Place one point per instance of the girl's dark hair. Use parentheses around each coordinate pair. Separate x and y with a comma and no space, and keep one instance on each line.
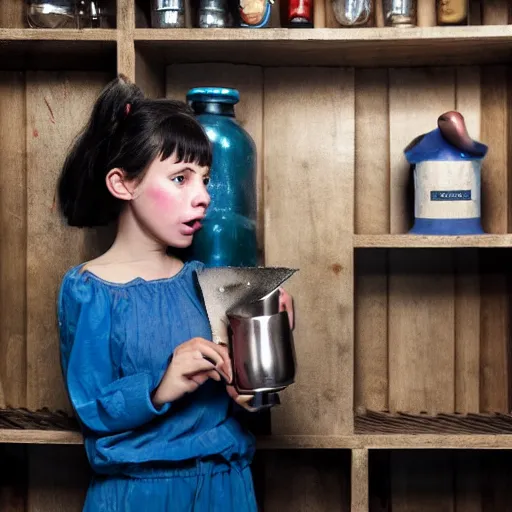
(127,131)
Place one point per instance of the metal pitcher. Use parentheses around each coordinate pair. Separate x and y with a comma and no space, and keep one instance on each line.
(242,304)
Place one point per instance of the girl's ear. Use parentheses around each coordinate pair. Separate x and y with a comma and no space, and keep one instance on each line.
(119,186)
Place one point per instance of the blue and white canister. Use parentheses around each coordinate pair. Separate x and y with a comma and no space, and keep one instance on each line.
(447,186)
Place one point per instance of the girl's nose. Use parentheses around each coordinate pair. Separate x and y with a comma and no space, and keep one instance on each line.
(201,198)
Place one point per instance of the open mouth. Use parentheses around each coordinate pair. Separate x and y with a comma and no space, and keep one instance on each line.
(193,224)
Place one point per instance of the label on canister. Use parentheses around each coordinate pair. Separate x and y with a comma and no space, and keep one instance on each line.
(447,190)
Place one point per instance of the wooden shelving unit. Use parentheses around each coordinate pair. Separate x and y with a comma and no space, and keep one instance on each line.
(387,322)
(419,241)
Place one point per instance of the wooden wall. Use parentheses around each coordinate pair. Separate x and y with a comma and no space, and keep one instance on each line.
(430,309)
(427,333)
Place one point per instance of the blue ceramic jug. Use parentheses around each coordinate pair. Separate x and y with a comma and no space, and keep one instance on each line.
(228,235)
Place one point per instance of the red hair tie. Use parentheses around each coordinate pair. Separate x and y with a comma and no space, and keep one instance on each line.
(127,108)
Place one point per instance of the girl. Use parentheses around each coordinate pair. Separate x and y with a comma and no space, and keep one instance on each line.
(149,387)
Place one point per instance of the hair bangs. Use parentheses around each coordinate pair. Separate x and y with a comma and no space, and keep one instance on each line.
(184,136)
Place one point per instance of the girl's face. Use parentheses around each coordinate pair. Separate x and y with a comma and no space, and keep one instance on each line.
(171,201)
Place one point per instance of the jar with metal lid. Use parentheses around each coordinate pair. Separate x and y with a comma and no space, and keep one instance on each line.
(353,13)
(228,233)
(168,14)
(51,13)
(400,13)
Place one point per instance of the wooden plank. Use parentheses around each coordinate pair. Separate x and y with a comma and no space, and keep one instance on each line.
(494,133)
(475,12)
(426,16)
(467,331)
(371,216)
(495,12)
(371,213)
(417,97)
(58,104)
(318,241)
(319,13)
(418,241)
(420,288)
(371,331)
(248,80)
(421,482)
(494,333)
(12,14)
(58,479)
(21,436)
(359,47)
(467,279)
(495,330)
(13,237)
(149,76)
(314,482)
(360,494)
(388,442)
(307,442)
(421,332)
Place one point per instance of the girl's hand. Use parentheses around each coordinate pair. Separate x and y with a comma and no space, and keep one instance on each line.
(192,364)
(242,400)
(286,304)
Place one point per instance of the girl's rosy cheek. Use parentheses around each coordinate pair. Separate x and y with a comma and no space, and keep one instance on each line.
(161,199)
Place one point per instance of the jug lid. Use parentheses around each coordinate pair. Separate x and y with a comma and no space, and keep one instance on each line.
(214,94)
(433,146)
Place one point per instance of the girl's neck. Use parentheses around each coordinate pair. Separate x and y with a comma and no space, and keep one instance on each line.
(135,245)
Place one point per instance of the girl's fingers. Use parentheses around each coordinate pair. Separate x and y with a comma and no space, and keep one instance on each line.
(286,304)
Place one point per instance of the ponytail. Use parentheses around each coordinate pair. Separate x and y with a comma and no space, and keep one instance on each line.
(125,131)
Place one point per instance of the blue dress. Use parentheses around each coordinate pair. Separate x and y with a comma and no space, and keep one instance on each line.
(116,342)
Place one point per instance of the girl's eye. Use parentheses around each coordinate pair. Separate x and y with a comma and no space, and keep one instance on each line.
(179,179)
(206,180)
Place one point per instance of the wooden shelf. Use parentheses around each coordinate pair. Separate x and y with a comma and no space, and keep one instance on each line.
(375,47)
(45,49)
(418,241)
(375,442)
(40,436)
(391,441)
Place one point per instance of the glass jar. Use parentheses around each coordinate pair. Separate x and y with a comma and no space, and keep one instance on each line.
(168,14)
(213,14)
(51,13)
(400,13)
(352,13)
(96,13)
(296,13)
(228,235)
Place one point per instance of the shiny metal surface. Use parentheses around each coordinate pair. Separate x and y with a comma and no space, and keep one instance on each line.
(213,14)
(235,289)
(167,14)
(50,13)
(263,353)
(400,13)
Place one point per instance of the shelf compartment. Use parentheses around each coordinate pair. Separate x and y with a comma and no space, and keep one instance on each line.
(63,49)
(420,241)
(429,481)
(366,47)
(395,106)
(322,476)
(432,331)
(46,478)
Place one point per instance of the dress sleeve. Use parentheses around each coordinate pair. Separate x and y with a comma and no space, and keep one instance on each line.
(103,402)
